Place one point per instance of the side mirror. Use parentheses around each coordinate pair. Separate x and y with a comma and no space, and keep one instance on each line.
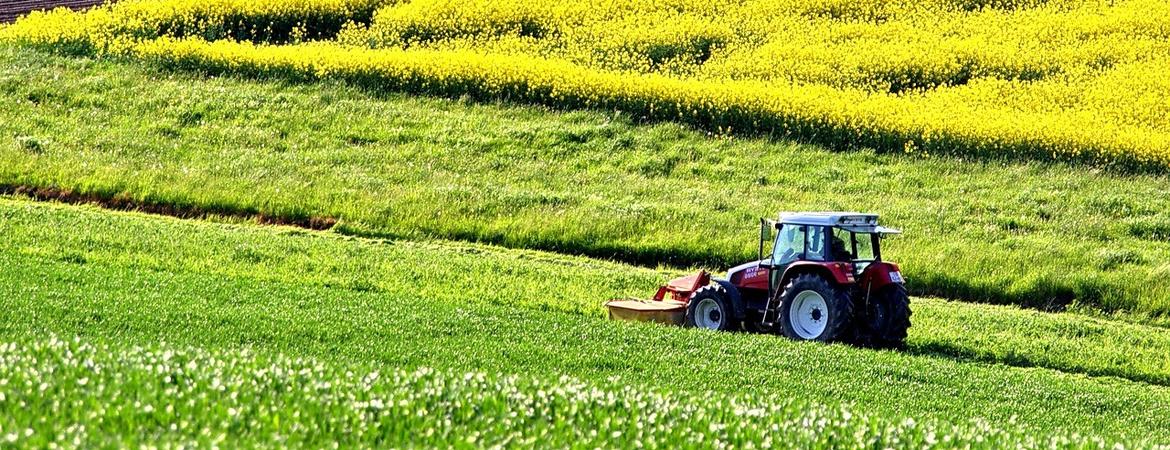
(764,234)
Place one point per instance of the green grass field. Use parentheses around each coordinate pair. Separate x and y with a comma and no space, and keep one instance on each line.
(444,280)
(187,397)
(546,282)
(583,182)
(122,279)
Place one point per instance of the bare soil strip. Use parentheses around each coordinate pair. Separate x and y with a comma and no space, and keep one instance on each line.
(10,10)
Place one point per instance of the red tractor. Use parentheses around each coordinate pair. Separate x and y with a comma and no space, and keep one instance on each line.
(824,281)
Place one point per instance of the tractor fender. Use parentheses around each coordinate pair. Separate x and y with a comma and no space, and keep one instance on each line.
(733,295)
(880,274)
(835,271)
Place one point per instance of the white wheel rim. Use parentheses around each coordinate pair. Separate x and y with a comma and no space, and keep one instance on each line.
(809,314)
(708,314)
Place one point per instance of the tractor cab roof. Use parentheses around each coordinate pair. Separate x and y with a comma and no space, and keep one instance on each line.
(851,221)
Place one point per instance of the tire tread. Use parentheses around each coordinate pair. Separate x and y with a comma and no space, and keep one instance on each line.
(894,334)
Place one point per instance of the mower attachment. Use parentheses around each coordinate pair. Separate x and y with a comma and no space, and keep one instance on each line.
(669,305)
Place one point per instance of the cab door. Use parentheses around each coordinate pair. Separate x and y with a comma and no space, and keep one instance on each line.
(796,243)
(791,244)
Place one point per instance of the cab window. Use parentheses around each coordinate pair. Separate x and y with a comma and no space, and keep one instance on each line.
(864,246)
(815,246)
(789,244)
(849,246)
(843,245)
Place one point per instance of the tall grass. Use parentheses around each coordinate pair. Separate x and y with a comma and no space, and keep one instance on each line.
(161,395)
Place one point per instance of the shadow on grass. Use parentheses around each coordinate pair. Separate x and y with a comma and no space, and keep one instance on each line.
(1044,295)
(1047,295)
(952,352)
(123,202)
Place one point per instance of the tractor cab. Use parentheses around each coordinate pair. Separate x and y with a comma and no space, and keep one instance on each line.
(840,242)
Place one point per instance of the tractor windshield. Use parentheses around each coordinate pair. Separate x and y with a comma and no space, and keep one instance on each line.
(789,245)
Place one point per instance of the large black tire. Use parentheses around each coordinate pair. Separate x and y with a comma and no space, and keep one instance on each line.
(710,308)
(828,318)
(886,318)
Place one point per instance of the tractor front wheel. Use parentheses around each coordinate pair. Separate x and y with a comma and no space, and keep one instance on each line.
(709,308)
(814,309)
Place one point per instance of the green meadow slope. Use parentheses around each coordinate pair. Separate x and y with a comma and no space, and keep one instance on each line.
(590,183)
(123,279)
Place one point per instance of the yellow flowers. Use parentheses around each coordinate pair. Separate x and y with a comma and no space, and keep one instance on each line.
(1068,79)
(109,27)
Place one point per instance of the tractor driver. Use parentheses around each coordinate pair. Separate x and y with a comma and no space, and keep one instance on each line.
(839,247)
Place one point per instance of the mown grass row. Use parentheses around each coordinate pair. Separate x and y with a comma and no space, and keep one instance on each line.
(163,395)
(128,279)
(587,183)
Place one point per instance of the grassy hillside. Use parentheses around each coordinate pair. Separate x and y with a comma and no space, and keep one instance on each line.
(562,154)
(127,279)
(575,182)
(547,282)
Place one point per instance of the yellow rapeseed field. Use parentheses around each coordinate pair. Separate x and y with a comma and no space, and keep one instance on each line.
(1058,79)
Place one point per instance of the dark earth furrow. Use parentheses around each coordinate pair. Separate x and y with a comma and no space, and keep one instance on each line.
(10,10)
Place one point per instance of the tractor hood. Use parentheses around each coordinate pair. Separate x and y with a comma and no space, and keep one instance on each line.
(750,275)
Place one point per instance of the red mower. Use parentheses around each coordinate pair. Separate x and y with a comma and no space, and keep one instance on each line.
(824,281)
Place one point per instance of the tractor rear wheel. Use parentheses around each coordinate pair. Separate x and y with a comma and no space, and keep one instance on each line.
(815,309)
(710,308)
(886,319)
